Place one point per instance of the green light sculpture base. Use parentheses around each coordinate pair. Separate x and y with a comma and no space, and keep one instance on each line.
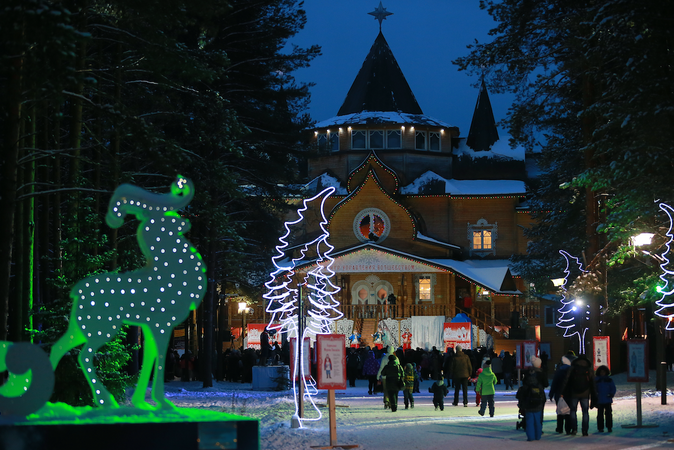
(58,426)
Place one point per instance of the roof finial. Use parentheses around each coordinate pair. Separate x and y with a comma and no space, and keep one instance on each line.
(380,14)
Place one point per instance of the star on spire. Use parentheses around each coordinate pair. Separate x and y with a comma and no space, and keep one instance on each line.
(380,14)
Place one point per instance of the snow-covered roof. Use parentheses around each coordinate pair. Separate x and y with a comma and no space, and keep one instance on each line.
(380,118)
(467,187)
(323,181)
(435,241)
(500,149)
(490,272)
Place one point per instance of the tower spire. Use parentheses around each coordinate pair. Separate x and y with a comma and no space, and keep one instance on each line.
(380,14)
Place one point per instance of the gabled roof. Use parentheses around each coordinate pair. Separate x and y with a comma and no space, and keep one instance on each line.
(483,133)
(380,85)
(493,275)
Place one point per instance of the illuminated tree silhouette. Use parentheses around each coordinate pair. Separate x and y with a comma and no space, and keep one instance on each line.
(283,297)
(665,303)
(571,319)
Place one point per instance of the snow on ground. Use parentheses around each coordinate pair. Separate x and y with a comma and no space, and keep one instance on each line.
(362,420)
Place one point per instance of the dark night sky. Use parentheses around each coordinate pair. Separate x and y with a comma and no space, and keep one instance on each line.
(424,35)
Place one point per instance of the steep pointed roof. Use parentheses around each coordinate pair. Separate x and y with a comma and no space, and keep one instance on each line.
(483,132)
(380,85)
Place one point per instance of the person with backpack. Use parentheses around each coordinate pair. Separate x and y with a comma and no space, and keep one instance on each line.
(352,362)
(410,376)
(394,376)
(531,398)
(439,391)
(370,370)
(485,387)
(605,392)
(579,389)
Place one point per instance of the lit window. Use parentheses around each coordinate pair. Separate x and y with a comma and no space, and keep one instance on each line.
(376,139)
(482,236)
(420,140)
(424,288)
(434,141)
(358,140)
(393,139)
(482,240)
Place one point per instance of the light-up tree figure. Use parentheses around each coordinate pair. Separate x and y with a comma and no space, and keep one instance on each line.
(568,313)
(284,299)
(665,303)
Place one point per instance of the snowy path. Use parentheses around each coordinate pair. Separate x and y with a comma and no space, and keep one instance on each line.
(365,422)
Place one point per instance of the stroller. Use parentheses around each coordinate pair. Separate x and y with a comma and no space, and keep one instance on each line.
(521,423)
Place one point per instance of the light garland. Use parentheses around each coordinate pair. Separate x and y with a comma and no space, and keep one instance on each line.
(568,312)
(665,303)
(283,299)
(372,157)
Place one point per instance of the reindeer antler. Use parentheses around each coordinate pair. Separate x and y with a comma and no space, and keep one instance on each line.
(128,198)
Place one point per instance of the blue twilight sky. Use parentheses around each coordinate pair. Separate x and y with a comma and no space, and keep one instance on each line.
(424,35)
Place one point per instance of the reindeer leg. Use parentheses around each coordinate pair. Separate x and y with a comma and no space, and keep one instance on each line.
(149,358)
(71,339)
(101,395)
(162,341)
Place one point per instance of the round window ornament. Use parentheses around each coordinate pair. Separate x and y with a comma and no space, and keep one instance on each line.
(371,225)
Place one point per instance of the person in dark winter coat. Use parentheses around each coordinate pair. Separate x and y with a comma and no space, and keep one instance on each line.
(408,387)
(508,367)
(605,392)
(394,376)
(461,371)
(563,420)
(531,398)
(370,369)
(579,389)
(439,391)
(352,362)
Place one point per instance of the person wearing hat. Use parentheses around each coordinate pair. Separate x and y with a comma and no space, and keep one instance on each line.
(605,392)
(461,369)
(542,379)
(485,386)
(563,420)
(395,378)
(579,389)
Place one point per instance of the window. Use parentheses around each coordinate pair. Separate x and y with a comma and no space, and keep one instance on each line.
(371,225)
(549,316)
(358,139)
(322,140)
(393,139)
(424,288)
(334,142)
(420,140)
(482,240)
(482,236)
(376,139)
(434,141)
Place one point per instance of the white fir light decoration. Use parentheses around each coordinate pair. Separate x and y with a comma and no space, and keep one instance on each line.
(568,312)
(283,297)
(666,306)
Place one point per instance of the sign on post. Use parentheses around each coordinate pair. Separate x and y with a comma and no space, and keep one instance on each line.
(331,361)
(529,349)
(637,360)
(601,352)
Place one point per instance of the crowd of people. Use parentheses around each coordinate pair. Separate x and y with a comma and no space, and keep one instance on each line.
(388,371)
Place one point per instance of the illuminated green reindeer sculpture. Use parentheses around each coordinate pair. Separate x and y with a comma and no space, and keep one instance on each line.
(156,298)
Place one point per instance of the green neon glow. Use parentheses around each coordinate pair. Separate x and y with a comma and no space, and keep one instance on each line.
(17,384)
(63,414)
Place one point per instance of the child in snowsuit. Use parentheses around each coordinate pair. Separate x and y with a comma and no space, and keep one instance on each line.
(605,392)
(485,387)
(408,387)
(439,391)
(478,397)
(531,398)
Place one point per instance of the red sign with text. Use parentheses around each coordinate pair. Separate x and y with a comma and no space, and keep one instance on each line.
(457,333)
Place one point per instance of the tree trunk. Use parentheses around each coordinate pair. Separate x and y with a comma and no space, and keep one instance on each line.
(8,169)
